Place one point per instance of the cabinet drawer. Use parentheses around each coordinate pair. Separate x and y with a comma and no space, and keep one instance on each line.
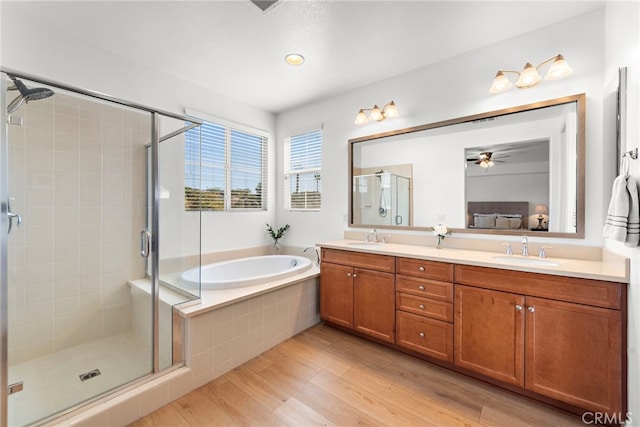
(425,269)
(571,289)
(427,336)
(441,291)
(439,310)
(359,259)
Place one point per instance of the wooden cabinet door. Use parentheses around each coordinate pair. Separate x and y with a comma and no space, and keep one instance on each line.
(374,304)
(574,354)
(336,294)
(489,333)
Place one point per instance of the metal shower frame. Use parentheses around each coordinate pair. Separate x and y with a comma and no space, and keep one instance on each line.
(155,203)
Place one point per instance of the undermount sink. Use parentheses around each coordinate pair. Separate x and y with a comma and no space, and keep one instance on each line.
(526,261)
(366,245)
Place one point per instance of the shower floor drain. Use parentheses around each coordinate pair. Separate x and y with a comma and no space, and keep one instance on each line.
(90,374)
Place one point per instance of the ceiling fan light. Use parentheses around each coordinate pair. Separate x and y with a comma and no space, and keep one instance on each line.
(361,118)
(529,77)
(558,69)
(376,114)
(500,84)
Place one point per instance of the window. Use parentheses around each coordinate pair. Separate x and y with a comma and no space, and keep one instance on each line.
(303,171)
(225,168)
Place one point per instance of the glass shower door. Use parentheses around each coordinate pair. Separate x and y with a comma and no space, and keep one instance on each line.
(75,175)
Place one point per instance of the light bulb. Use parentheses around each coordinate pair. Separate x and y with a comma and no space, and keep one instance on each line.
(361,118)
(529,77)
(376,114)
(391,110)
(558,69)
(500,83)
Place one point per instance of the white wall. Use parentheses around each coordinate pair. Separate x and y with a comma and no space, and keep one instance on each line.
(622,48)
(454,88)
(54,56)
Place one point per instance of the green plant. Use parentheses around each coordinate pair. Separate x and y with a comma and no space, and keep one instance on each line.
(276,235)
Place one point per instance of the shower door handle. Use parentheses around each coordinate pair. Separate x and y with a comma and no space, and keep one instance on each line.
(145,243)
(11,217)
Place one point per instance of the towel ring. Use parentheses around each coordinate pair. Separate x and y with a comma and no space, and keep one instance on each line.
(631,153)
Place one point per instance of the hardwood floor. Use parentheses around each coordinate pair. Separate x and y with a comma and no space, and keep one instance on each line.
(324,377)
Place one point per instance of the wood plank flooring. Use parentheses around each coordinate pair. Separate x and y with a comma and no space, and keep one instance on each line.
(324,377)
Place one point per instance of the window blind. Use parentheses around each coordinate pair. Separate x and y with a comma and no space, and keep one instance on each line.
(303,171)
(225,168)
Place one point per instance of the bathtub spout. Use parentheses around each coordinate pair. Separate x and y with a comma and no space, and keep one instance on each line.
(317,254)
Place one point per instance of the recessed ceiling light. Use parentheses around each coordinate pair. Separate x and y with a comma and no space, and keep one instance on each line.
(294,59)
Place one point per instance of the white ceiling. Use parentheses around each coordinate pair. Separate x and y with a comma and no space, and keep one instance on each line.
(235,49)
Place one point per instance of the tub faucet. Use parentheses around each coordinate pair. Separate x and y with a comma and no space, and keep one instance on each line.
(317,254)
(525,246)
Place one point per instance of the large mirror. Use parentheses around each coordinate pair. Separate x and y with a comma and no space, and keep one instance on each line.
(502,172)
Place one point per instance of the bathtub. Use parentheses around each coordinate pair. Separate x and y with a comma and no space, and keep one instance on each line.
(245,271)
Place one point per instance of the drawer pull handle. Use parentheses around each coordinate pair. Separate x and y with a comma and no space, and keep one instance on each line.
(421,306)
(518,307)
(421,268)
(421,334)
(421,287)
(531,309)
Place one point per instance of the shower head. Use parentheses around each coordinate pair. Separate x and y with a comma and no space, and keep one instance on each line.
(26,94)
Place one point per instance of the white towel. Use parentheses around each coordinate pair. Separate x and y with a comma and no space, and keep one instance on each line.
(623,216)
(633,220)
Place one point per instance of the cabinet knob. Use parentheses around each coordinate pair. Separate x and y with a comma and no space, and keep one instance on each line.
(518,307)
(355,275)
(348,274)
(421,306)
(531,309)
(421,334)
(421,287)
(421,268)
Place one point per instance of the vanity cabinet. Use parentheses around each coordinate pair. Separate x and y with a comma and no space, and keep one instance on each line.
(357,291)
(424,307)
(558,337)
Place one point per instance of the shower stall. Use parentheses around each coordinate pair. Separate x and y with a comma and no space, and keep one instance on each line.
(382,198)
(83,309)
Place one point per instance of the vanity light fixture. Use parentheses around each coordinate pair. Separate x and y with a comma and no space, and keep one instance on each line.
(294,59)
(529,76)
(377,114)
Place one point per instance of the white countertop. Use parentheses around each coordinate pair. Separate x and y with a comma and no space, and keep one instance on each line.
(613,268)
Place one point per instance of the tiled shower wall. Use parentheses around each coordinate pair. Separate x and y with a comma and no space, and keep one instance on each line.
(77,178)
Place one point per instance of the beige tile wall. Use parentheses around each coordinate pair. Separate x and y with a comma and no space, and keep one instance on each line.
(77,177)
(220,340)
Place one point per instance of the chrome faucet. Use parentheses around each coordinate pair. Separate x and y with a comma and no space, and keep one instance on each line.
(525,246)
(317,254)
(372,236)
